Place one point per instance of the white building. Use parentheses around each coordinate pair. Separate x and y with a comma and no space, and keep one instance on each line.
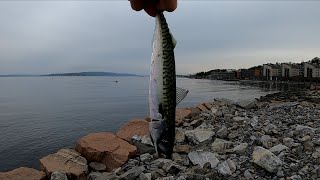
(311,70)
(272,71)
(289,70)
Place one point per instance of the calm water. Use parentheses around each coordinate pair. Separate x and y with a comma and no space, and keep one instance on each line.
(40,115)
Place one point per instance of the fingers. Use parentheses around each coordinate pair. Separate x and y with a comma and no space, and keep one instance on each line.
(167,5)
(152,8)
(137,5)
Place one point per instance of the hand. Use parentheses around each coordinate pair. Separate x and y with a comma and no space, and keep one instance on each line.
(153,6)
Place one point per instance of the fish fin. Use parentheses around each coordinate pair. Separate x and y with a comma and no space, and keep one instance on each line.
(181,94)
(174,41)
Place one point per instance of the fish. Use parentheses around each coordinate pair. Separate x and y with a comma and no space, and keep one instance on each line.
(164,96)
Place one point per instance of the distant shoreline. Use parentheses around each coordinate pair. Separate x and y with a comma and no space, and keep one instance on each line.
(77,74)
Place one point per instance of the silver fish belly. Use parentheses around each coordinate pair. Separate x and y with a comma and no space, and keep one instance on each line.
(162,89)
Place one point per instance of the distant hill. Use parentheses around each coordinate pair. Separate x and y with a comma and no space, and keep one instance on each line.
(93,74)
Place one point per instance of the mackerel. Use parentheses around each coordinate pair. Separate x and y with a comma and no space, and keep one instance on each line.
(163,94)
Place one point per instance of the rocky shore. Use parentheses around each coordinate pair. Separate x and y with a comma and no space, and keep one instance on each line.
(274,137)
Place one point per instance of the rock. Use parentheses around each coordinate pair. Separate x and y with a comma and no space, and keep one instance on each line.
(225,101)
(307,128)
(146,140)
(181,149)
(238,119)
(254,121)
(66,160)
(201,107)
(143,148)
(266,159)
(21,174)
(59,175)
(196,123)
(220,145)
(214,110)
(277,149)
(270,129)
(199,135)
(132,173)
(96,166)
(241,148)
(223,132)
(223,168)
(181,115)
(248,175)
(295,177)
(267,141)
(138,127)
(247,104)
(145,176)
(180,137)
(146,157)
(282,105)
(203,157)
(290,142)
(177,158)
(102,176)
(171,167)
(232,165)
(106,148)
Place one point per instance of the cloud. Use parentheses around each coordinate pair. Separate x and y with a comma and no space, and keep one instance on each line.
(62,36)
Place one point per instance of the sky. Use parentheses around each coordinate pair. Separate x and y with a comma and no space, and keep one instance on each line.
(42,37)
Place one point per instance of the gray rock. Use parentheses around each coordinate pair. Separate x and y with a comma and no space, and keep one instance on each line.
(295,177)
(177,158)
(241,148)
(282,105)
(267,141)
(203,157)
(266,159)
(146,157)
(145,176)
(232,165)
(225,101)
(224,169)
(247,104)
(199,135)
(132,173)
(59,175)
(254,121)
(166,178)
(248,175)
(101,176)
(172,168)
(301,128)
(238,119)
(144,148)
(270,129)
(96,166)
(223,132)
(277,149)
(146,140)
(220,145)
(290,142)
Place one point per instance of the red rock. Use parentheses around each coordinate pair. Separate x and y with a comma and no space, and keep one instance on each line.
(201,107)
(181,114)
(134,127)
(208,105)
(66,160)
(106,148)
(23,173)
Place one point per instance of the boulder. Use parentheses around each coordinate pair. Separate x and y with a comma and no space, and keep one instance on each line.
(183,148)
(21,174)
(199,135)
(266,159)
(106,148)
(202,107)
(247,104)
(138,127)
(224,169)
(181,114)
(65,160)
(96,166)
(202,158)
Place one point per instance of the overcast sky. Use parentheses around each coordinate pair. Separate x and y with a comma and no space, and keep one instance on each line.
(71,36)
